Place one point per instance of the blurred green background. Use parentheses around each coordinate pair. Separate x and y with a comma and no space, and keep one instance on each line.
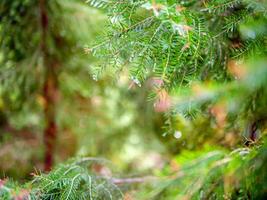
(48,84)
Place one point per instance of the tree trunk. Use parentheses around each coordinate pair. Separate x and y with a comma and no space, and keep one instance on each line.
(50,90)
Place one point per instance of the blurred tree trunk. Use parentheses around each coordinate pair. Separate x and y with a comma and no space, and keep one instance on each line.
(50,90)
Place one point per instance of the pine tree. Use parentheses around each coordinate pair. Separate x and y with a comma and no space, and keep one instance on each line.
(211,57)
(181,43)
(178,41)
(67,181)
(38,41)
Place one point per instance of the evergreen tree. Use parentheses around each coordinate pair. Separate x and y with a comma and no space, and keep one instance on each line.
(177,41)
(210,57)
(182,43)
(38,41)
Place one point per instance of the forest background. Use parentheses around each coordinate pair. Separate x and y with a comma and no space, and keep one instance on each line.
(133,99)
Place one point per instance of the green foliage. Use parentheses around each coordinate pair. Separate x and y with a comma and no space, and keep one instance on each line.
(216,174)
(73,181)
(22,69)
(68,181)
(210,56)
(207,54)
(217,50)
(242,101)
(177,42)
(18,47)
(97,111)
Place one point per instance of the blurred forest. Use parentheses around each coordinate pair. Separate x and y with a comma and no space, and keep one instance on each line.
(133,99)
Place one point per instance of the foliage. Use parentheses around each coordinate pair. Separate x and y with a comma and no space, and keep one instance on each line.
(210,55)
(204,61)
(178,41)
(68,181)
(21,60)
(216,174)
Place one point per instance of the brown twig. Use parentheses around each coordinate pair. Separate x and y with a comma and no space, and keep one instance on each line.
(120,181)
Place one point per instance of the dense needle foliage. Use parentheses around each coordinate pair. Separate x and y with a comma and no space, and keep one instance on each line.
(72,180)
(180,41)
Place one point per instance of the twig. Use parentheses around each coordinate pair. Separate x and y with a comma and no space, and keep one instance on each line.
(91,159)
(119,181)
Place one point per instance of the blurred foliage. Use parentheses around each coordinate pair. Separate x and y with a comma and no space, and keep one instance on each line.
(214,173)
(173,89)
(97,111)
